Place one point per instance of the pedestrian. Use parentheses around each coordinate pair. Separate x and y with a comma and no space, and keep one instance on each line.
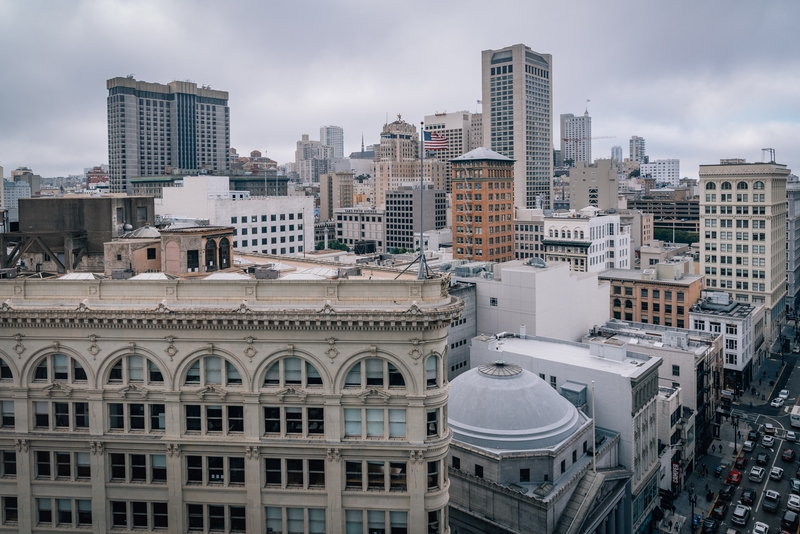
(759,381)
(713,448)
(706,486)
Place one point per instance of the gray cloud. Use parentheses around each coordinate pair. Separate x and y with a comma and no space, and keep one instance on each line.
(699,80)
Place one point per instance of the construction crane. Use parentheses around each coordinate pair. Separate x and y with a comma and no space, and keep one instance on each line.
(576,139)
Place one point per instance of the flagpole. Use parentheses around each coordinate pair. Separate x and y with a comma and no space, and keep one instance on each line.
(421,275)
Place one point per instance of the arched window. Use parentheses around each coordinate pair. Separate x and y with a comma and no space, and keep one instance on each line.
(432,372)
(5,371)
(758,185)
(209,370)
(617,302)
(59,368)
(137,369)
(581,234)
(374,372)
(741,185)
(211,255)
(569,234)
(711,185)
(628,304)
(224,253)
(292,372)
(726,185)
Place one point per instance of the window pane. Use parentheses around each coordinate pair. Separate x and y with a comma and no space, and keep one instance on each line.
(213,370)
(216,469)
(395,377)
(353,378)
(116,413)
(353,520)
(155,373)
(135,368)
(312,375)
(294,420)
(119,513)
(295,520)
(273,378)
(236,470)
(214,418)
(397,476)
(139,513)
(136,416)
(398,521)
(64,511)
(374,422)
(274,519)
(60,367)
(273,471)
(316,420)
(352,421)
(193,374)
(41,371)
(238,523)
(115,375)
(376,521)
(292,367)
(430,371)
(272,420)
(61,412)
(78,374)
(374,372)
(193,421)
(316,473)
(84,512)
(294,472)
(316,521)
(157,417)
(235,418)
(397,423)
(353,475)
(232,375)
(375,478)
(160,515)
(81,414)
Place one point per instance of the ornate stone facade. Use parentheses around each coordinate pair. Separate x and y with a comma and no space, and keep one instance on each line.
(244,405)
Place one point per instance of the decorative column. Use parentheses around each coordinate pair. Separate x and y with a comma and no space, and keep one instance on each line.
(335,486)
(24,475)
(99,503)
(175,486)
(253,483)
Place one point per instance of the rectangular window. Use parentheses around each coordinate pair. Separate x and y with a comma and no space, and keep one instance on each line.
(397,423)
(10,510)
(398,476)
(375,476)
(524,475)
(273,472)
(374,422)
(353,475)
(433,422)
(9,464)
(676,370)
(433,475)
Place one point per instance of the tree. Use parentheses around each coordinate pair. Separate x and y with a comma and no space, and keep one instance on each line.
(332,245)
(681,236)
(569,162)
(634,173)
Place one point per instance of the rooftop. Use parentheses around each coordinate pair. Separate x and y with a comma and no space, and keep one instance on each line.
(482,154)
(637,276)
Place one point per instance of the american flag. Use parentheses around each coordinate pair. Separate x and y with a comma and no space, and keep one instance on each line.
(434,141)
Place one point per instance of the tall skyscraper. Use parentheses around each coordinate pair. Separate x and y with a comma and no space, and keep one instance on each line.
(518,118)
(754,268)
(333,136)
(637,149)
(576,138)
(616,153)
(176,125)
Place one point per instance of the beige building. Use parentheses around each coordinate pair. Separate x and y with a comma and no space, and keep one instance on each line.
(461,133)
(593,185)
(361,225)
(512,78)
(397,162)
(335,191)
(225,404)
(743,234)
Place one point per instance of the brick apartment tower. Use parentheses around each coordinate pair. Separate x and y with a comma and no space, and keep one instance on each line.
(483,206)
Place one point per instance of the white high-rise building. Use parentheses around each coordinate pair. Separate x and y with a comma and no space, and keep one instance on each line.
(743,234)
(333,136)
(616,153)
(637,149)
(518,118)
(576,138)
(460,133)
(665,171)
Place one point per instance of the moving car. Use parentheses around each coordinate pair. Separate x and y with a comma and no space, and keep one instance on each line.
(789,521)
(753,435)
(772,501)
(740,515)
(769,429)
(760,528)
(787,455)
(762,459)
(776,473)
(784,394)
(710,525)
(735,477)
(791,435)
(748,496)
(721,509)
(793,503)
(727,492)
(777,402)
(767,441)
(741,463)
(748,446)
(756,474)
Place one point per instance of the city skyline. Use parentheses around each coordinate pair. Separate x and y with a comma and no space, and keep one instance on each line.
(695,95)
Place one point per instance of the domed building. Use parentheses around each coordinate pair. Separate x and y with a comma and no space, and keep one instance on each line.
(522,459)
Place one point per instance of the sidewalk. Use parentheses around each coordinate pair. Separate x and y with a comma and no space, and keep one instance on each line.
(770,371)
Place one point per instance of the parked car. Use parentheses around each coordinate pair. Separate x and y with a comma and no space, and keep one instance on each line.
(735,477)
(772,501)
(793,503)
(727,492)
(794,485)
(776,473)
(767,441)
(762,459)
(753,435)
(777,402)
(748,496)
(756,474)
(760,528)
(789,521)
(784,394)
(748,446)
(791,436)
(741,463)
(720,510)
(740,514)
(769,429)
(787,455)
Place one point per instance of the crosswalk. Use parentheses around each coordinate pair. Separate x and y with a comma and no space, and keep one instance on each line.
(744,416)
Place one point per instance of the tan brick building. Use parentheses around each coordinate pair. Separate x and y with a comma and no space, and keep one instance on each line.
(483,206)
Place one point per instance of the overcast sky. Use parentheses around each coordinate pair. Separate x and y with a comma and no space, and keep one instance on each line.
(699,80)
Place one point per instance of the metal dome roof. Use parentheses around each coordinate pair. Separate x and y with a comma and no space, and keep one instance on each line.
(501,406)
(146,231)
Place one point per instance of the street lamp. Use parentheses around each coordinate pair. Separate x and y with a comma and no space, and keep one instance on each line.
(735,423)
(693,501)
